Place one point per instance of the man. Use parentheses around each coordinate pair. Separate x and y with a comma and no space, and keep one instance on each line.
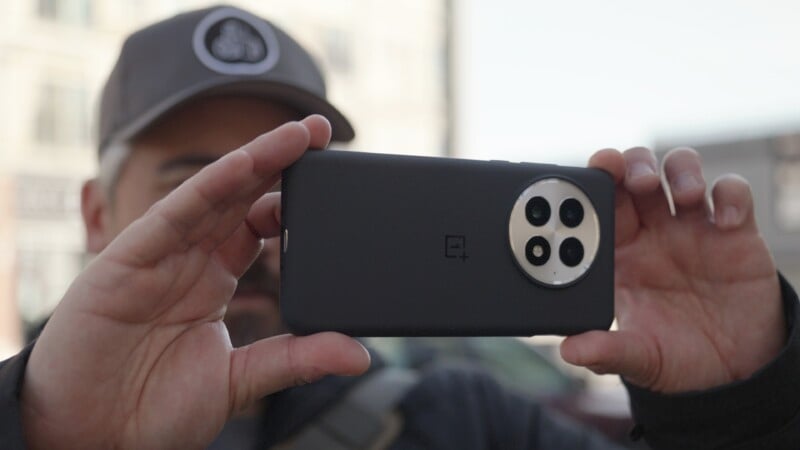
(136,355)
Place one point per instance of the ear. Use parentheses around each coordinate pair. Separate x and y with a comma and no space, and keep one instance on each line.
(95,208)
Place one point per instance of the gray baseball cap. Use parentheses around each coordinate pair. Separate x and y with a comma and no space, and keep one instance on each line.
(218,50)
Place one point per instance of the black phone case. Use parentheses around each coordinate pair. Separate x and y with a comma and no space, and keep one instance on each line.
(367,249)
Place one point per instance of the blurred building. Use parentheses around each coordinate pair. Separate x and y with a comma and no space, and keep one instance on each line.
(772,166)
(386,66)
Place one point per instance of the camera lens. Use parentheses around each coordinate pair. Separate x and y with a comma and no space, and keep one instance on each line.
(537,250)
(571,252)
(571,212)
(538,211)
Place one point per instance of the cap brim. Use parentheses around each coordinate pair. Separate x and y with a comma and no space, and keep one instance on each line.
(304,102)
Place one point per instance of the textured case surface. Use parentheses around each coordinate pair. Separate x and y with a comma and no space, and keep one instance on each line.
(386,245)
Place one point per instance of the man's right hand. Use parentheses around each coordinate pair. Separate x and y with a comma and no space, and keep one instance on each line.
(136,354)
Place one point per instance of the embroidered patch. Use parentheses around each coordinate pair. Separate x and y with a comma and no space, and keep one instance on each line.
(234,42)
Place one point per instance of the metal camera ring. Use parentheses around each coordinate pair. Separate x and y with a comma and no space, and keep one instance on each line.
(554,272)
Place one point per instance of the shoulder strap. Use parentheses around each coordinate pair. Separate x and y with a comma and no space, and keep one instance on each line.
(364,419)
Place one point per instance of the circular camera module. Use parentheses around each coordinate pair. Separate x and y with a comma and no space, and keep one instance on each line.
(571,212)
(537,250)
(571,252)
(537,210)
(554,232)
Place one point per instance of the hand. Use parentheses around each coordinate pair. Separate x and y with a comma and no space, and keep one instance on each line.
(136,355)
(697,298)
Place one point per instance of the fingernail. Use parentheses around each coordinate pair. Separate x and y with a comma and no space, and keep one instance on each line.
(685,182)
(730,216)
(640,169)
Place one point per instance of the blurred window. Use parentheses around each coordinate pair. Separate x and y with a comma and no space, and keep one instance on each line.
(62,115)
(72,12)
(338,50)
(43,275)
(47,197)
(787,184)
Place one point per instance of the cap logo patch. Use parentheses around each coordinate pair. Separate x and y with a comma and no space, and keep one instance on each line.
(234,42)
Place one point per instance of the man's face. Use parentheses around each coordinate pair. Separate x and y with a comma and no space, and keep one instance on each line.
(176,148)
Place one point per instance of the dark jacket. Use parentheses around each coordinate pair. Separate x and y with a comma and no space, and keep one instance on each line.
(464,409)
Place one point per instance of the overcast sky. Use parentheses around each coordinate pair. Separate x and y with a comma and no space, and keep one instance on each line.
(554,80)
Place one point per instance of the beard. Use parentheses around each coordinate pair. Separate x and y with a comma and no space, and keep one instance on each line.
(253,313)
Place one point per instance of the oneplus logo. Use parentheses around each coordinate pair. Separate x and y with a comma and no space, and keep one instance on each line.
(455,246)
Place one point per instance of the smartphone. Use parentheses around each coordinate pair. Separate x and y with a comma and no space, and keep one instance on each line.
(390,245)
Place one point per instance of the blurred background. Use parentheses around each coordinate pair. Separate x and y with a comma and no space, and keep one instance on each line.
(501,79)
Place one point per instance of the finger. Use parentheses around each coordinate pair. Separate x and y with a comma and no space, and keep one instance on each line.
(683,171)
(263,221)
(252,170)
(276,363)
(643,182)
(611,161)
(240,250)
(614,352)
(319,129)
(212,204)
(733,203)
(641,175)
(265,215)
(626,220)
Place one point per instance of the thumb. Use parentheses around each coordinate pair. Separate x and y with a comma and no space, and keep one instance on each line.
(269,365)
(617,352)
